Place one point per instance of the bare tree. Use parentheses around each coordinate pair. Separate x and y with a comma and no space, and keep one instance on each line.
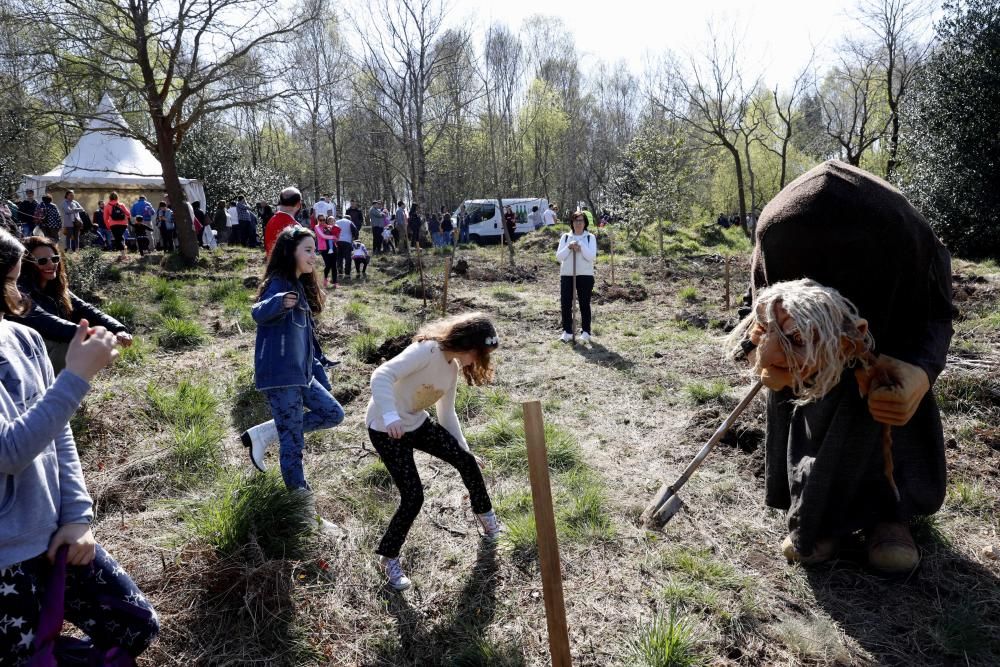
(503,66)
(713,99)
(853,103)
(176,61)
(899,27)
(781,129)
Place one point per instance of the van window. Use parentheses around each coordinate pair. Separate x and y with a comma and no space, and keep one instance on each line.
(480,212)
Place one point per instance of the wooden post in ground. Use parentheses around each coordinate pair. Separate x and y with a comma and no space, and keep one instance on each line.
(420,265)
(444,297)
(545,525)
(659,228)
(611,237)
(727,282)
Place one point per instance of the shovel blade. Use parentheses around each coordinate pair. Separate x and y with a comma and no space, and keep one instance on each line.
(666,511)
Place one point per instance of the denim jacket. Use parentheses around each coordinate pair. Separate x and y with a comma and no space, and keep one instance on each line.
(286,353)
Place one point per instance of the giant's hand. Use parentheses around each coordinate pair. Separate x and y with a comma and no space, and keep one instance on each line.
(895,402)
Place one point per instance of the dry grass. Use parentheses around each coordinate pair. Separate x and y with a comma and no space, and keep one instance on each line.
(623,417)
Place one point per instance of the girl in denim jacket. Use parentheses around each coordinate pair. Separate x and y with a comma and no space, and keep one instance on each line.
(288,365)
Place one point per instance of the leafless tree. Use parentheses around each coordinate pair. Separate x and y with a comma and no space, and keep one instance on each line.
(176,62)
(899,28)
(853,102)
(780,124)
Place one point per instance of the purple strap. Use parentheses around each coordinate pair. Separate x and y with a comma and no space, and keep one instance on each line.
(51,618)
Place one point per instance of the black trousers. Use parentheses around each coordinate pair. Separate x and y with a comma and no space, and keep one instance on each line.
(330,264)
(376,240)
(397,455)
(584,288)
(344,249)
(361,265)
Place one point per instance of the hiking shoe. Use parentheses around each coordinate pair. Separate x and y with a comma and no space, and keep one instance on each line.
(394,571)
(328,528)
(257,439)
(566,337)
(584,337)
(491,526)
(891,549)
(824,551)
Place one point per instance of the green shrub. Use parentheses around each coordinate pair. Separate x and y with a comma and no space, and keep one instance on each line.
(255,509)
(502,443)
(179,333)
(190,405)
(132,356)
(161,288)
(173,305)
(195,453)
(376,475)
(688,294)
(364,346)
(125,312)
(89,270)
(249,406)
(221,290)
(699,392)
(355,311)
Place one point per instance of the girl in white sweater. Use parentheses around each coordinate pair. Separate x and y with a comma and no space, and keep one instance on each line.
(422,375)
(577,251)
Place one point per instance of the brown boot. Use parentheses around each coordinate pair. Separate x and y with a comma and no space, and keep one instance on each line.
(891,548)
(824,551)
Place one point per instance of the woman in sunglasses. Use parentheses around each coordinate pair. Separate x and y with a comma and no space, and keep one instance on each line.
(56,311)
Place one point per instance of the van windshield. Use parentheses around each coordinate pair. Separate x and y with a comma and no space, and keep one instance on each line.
(480,212)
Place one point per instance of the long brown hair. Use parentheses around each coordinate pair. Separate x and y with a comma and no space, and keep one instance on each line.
(472,332)
(281,264)
(11,250)
(31,276)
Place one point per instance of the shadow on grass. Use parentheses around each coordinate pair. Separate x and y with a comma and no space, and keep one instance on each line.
(460,637)
(947,612)
(596,353)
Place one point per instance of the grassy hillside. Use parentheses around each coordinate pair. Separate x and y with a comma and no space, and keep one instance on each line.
(236,583)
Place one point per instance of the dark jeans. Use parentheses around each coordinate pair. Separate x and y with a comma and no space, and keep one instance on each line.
(397,455)
(361,265)
(292,422)
(100,599)
(376,240)
(584,288)
(167,237)
(344,250)
(330,265)
(118,233)
(247,233)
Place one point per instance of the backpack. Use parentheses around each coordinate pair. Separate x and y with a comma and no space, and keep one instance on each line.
(117,212)
(51,218)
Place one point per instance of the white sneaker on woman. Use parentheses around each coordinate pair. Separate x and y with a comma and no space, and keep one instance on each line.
(584,337)
(566,337)
(257,439)
(394,571)
(491,526)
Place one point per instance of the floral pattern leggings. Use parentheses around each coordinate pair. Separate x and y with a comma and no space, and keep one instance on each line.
(397,455)
(101,599)
(292,423)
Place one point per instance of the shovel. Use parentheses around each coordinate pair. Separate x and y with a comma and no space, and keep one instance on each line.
(666,502)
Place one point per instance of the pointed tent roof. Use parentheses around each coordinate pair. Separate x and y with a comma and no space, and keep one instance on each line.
(104,156)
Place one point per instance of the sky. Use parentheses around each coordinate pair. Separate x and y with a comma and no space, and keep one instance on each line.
(780,34)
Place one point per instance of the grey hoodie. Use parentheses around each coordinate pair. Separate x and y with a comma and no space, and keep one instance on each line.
(41,482)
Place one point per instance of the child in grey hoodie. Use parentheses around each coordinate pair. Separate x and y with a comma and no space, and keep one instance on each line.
(45,510)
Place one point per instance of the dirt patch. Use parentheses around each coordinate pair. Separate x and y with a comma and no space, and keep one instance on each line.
(627,292)
(460,268)
(505,274)
(417,291)
(391,347)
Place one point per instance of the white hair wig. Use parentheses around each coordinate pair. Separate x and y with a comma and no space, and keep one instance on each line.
(823,317)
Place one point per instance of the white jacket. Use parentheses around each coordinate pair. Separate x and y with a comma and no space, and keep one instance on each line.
(584,257)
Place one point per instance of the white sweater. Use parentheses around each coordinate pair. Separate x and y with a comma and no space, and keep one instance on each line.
(584,257)
(406,385)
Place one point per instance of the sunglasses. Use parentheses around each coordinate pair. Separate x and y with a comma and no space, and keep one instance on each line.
(43,261)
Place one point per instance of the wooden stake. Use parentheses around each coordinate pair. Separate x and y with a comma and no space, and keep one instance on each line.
(659,228)
(545,525)
(444,297)
(420,265)
(611,236)
(727,282)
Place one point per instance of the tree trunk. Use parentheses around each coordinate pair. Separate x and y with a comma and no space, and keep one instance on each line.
(503,226)
(741,194)
(186,237)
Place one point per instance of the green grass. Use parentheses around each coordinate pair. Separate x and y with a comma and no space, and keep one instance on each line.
(257,510)
(666,642)
(236,304)
(470,402)
(125,312)
(701,392)
(191,411)
(161,288)
(356,311)
(179,334)
(970,497)
(133,356)
(173,305)
(375,475)
(700,567)
(688,294)
(364,345)
(190,404)
(219,291)
(964,393)
(502,443)
(248,406)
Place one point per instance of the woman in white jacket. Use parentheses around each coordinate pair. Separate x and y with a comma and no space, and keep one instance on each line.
(577,252)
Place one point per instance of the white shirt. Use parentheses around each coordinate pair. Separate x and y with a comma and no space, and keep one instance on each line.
(232,217)
(549,217)
(323,208)
(415,379)
(346,236)
(584,256)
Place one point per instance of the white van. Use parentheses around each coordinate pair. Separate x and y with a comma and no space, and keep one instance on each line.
(486,218)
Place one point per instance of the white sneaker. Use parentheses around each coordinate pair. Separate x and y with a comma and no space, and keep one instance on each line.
(584,337)
(394,570)
(491,526)
(328,528)
(257,439)
(566,337)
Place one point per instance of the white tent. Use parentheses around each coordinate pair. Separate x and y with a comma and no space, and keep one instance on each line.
(104,160)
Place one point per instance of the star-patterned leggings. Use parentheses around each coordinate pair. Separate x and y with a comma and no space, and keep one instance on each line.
(101,600)
(397,455)
(287,409)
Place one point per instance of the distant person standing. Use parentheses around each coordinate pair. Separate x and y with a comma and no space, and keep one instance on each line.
(355,215)
(101,226)
(219,221)
(71,222)
(48,218)
(434,228)
(413,224)
(165,221)
(463,225)
(142,207)
(535,218)
(232,224)
(377,219)
(549,217)
(26,212)
(345,244)
(289,203)
(509,222)
(400,226)
(324,208)
(116,217)
(577,251)
(447,229)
